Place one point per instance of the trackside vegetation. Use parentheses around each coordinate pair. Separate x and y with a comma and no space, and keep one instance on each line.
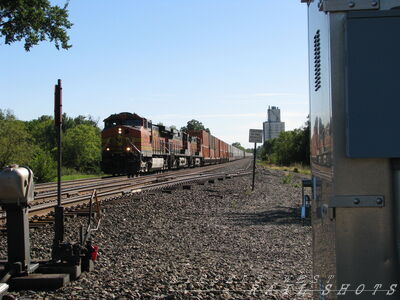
(290,148)
(33,144)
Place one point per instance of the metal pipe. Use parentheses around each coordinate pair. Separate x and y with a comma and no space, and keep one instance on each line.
(90,209)
(7,277)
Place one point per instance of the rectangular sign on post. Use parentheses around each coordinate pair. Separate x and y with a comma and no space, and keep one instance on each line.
(255,136)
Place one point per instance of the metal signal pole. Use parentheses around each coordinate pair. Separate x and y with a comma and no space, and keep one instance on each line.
(59,209)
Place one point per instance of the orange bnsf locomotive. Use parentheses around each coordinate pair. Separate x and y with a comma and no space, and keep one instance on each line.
(131,144)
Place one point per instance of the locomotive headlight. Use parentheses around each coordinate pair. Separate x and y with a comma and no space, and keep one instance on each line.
(108,149)
(119,130)
(128,148)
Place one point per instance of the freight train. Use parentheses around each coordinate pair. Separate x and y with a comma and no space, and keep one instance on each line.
(132,144)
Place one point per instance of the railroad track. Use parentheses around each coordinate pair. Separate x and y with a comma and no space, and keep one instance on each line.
(70,185)
(78,195)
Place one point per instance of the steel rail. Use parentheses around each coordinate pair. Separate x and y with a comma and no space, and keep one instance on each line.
(101,182)
(41,188)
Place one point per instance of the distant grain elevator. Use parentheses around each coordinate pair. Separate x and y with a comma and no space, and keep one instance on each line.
(273,126)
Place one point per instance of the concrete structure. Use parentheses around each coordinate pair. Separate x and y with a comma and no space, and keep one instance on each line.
(273,126)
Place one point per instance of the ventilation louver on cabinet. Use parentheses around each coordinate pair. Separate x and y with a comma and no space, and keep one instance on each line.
(317,61)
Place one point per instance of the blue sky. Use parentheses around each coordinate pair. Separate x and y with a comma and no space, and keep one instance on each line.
(222,62)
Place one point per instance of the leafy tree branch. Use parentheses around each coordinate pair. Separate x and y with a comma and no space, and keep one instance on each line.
(34,21)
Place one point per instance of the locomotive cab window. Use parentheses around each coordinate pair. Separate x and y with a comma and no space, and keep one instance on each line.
(109,124)
(133,123)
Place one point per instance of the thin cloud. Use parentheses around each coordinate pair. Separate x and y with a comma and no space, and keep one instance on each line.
(286,114)
(211,116)
(162,95)
(273,94)
(293,114)
(263,95)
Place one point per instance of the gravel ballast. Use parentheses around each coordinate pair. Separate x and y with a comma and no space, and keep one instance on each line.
(214,241)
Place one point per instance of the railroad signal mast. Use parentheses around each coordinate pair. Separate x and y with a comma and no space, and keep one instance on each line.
(355,153)
(72,258)
(68,259)
(58,210)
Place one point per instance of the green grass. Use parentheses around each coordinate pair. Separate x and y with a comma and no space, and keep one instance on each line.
(296,168)
(287,179)
(77,176)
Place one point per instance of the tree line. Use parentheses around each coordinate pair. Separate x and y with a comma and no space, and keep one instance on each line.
(34,144)
(290,147)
